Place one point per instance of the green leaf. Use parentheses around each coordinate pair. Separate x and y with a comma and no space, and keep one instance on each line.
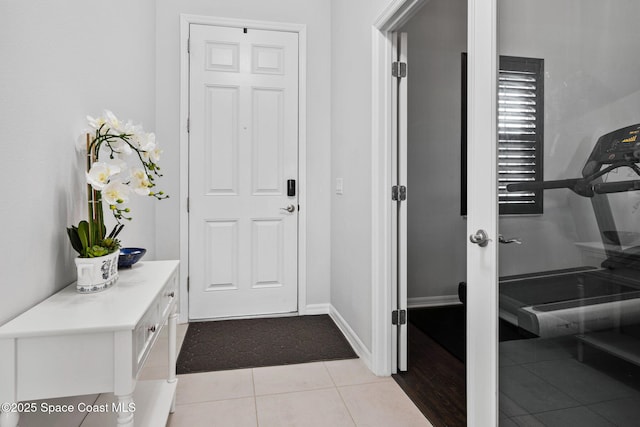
(74,238)
(96,251)
(83,235)
(94,233)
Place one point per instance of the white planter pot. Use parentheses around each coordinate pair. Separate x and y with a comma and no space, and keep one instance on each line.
(97,274)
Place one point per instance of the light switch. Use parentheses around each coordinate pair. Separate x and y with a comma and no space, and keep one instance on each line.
(339,186)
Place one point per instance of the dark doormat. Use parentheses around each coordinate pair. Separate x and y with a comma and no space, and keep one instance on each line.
(447,325)
(251,343)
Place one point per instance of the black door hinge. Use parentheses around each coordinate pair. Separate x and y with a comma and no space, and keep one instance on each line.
(403,193)
(399,69)
(399,317)
(398,193)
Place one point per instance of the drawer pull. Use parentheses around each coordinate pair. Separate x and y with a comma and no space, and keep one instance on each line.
(152,328)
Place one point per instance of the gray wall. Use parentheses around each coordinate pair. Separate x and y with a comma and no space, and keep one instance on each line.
(62,61)
(436,231)
(591,88)
(351,159)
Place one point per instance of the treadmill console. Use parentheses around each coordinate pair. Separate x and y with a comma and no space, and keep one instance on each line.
(622,145)
(617,149)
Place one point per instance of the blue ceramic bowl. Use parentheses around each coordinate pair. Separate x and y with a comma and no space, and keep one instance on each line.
(129,256)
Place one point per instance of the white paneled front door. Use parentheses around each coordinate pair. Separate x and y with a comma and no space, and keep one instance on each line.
(243,151)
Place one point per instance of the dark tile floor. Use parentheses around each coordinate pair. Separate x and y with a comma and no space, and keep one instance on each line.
(542,383)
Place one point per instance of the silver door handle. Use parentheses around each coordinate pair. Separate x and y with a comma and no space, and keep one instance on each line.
(480,238)
(515,240)
(289,208)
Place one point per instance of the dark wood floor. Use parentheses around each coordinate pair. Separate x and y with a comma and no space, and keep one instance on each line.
(435,381)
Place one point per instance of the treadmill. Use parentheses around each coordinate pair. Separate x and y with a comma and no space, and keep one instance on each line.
(594,304)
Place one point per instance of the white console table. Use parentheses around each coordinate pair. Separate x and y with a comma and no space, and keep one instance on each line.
(75,344)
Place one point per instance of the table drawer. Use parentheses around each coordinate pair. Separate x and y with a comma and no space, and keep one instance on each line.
(169,295)
(148,329)
(144,335)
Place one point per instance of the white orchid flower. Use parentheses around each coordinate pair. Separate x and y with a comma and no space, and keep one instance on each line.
(120,147)
(112,121)
(140,182)
(121,166)
(129,127)
(155,155)
(147,141)
(95,123)
(115,193)
(99,174)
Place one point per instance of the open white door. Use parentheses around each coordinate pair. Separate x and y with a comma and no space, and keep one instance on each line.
(399,197)
(482,216)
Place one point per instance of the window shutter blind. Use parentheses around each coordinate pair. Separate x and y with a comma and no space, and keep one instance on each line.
(520,132)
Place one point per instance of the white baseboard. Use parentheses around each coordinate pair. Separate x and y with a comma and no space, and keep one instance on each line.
(312,309)
(358,346)
(432,301)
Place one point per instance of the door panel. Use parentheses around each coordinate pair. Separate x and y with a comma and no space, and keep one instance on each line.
(243,147)
(399,212)
(482,214)
(222,245)
(569,305)
(221,104)
(268,253)
(268,141)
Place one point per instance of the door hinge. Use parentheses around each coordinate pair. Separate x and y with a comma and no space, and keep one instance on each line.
(188,284)
(399,69)
(399,317)
(403,193)
(398,193)
(188,124)
(187,205)
(189,45)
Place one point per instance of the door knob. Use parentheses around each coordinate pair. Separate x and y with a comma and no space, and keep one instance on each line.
(480,238)
(289,208)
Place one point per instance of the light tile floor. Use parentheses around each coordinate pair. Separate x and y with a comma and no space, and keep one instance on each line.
(336,393)
(323,394)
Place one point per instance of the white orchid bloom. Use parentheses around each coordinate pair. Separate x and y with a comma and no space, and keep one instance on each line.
(147,141)
(140,182)
(120,147)
(95,123)
(113,122)
(154,155)
(129,127)
(99,174)
(151,155)
(121,166)
(115,193)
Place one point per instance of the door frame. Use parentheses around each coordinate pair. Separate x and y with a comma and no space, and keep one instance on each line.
(185,21)
(482,349)
(383,280)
